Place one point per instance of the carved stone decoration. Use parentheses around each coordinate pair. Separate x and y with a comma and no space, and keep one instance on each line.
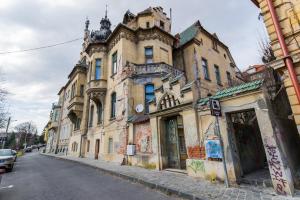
(98,96)
(168,100)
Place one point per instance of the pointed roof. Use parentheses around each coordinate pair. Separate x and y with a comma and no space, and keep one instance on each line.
(189,33)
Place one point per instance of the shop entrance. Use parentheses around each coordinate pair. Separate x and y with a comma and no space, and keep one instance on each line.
(175,143)
(249,144)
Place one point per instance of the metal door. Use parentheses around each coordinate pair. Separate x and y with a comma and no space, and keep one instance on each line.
(172,144)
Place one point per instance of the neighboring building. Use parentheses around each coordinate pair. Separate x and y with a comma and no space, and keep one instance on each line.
(254,72)
(283,27)
(51,129)
(282,22)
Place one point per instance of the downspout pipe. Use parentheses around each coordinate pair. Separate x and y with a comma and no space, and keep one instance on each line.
(287,58)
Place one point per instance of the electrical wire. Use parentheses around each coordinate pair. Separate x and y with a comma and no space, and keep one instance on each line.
(41,47)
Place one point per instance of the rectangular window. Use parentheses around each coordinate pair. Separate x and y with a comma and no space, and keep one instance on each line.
(147,24)
(110,145)
(98,69)
(149,54)
(72,90)
(114,63)
(229,79)
(149,96)
(205,69)
(113,105)
(81,90)
(218,76)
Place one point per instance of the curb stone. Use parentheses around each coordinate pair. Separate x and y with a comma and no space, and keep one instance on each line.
(148,184)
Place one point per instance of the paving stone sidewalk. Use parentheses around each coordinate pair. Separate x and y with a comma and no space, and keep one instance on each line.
(179,184)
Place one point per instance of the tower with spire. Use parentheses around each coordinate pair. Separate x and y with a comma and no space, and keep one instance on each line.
(104,32)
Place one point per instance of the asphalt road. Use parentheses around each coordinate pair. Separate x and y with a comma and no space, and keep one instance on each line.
(37,177)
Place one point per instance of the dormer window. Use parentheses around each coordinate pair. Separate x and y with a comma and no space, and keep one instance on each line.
(215,45)
(162,25)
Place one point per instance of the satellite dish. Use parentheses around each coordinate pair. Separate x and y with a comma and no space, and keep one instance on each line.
(139,108)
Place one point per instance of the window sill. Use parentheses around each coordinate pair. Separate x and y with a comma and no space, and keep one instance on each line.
(207,79)
(220,84)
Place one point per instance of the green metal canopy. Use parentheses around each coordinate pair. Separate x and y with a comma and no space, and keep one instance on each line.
(232,91)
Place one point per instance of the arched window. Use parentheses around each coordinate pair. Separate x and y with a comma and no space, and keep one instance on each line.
(168,101)
(149,95)
(99,113)
(91,116)
(113,105)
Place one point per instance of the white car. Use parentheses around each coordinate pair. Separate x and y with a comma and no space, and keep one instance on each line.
(7,159)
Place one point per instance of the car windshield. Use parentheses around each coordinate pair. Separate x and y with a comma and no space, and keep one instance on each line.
(5,152)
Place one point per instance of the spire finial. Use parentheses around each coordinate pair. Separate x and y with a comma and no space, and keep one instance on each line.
(87,23)
(105,11)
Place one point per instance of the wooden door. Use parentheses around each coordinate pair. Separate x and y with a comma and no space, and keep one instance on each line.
(97,148)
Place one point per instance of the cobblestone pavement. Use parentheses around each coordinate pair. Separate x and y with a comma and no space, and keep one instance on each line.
(181,184)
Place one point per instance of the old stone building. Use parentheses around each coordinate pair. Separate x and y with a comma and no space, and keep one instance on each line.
(140,96)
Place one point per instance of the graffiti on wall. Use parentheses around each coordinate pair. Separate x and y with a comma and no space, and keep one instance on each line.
(196,165)
(194,152)
(213,149)
(275,166)
(143,138)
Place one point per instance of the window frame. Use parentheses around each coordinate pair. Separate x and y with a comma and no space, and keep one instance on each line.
(206,75)
(99,113)
(148,57)
(218,74)
(91,117)
(113,107)
(98,69)
(110,145)
(148,93)
(114,63)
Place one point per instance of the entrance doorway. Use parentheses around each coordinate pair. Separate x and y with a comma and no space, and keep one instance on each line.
(249,145)
(97,148)
(175,143)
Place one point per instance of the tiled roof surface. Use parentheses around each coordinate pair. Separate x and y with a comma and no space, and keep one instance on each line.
(232,91)
(188,34)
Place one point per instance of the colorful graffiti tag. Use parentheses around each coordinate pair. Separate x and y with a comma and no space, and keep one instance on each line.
(196,165)
(276,169)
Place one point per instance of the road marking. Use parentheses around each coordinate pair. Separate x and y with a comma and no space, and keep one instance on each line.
(7,187)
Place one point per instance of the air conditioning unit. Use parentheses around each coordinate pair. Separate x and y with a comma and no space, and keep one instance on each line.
(131,150)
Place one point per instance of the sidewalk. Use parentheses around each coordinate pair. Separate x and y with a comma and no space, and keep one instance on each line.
(179,184)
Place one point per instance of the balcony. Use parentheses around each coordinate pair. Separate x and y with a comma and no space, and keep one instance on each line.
(96,89)
(75,107)
(151,69)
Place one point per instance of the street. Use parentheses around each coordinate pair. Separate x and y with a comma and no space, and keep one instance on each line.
(36,177)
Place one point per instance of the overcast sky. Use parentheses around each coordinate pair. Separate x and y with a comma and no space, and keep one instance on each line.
(34,78)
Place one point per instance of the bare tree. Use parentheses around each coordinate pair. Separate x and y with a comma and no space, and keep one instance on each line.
(266,51)
(26,133)
(3,103)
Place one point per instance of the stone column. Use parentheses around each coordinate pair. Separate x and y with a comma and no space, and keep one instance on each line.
(280,172)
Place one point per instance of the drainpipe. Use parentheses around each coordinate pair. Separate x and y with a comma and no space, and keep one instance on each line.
(287,58)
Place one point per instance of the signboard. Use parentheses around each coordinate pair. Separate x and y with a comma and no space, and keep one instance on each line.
(213,149)
(215,107)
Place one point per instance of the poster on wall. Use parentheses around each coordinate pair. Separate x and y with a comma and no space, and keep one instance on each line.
(213,149)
